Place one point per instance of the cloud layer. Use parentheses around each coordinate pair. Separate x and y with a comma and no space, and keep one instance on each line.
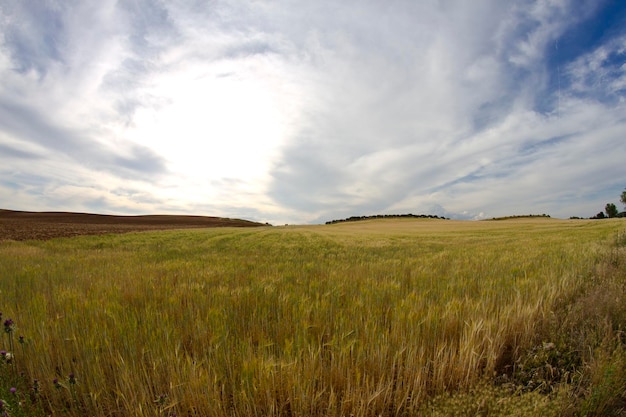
(309,111)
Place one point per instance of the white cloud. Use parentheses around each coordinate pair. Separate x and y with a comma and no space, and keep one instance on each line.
(306,111)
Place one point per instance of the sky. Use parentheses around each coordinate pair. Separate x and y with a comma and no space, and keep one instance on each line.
(298,111)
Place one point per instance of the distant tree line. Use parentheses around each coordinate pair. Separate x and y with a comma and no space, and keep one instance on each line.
(611,209)
(387,216)
(521,216)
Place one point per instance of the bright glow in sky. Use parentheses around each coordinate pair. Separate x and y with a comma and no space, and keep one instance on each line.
(307,111)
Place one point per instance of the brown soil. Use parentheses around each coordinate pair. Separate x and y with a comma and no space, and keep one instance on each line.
(24,225)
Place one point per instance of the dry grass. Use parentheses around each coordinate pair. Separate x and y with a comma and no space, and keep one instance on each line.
(372,318)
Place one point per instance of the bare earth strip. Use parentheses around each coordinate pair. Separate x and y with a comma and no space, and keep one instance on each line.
(24,225)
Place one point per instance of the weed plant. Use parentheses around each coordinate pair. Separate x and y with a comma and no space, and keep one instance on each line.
(390,317)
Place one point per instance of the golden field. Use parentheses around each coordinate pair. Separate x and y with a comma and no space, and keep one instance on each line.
(398,317)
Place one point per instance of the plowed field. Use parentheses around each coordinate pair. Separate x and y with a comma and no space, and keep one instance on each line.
(23,225)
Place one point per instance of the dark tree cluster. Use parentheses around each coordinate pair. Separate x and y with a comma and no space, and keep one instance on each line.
(387,216)
(611,209)
(521,216)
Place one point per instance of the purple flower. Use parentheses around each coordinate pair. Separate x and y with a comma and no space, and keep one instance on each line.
(72,379)
(9,325)
(13,390)
(55,382)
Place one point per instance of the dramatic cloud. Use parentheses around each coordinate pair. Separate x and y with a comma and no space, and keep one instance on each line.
(290,111)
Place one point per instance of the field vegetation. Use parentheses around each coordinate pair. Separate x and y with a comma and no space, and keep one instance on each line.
(391,317)
(27,225)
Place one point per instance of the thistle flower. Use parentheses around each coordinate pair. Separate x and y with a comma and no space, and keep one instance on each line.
(13,390)
(36,386)
(9,325)
(72,379)
(56,383)
(21,339)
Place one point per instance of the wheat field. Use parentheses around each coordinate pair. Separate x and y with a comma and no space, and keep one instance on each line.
(399,317)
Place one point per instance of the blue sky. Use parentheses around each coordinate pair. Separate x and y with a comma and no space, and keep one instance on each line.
(305,111)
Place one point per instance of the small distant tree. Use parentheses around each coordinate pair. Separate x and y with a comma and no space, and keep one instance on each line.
(622,198)
(599,215)
(611,210)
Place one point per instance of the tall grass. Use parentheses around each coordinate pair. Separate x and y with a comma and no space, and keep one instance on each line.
(366,319)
